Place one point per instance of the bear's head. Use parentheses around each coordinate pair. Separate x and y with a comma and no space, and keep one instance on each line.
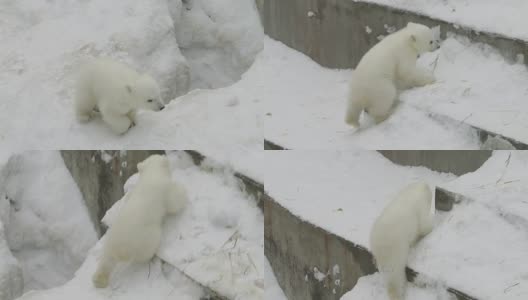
(422,38)
(146,93)
(156,163)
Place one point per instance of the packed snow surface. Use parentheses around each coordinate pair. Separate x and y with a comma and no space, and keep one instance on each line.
(47,226)
(492,218)
(37,71)
(307,111)
(372,287)
(506,17)
(476,86)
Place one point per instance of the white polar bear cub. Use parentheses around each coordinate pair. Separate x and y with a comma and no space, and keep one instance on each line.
(117,91)
(389,65)
(406,219)
(135,234)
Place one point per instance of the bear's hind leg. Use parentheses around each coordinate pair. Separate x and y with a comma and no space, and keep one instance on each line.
(381,102)
(119,123)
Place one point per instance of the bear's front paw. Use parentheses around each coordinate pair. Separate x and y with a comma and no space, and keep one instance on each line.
(100,280)
(428,78)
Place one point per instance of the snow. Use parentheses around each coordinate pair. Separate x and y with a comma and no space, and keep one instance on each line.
(134,282)
(47,227)
(372,287)
(353,185)
(476,86)
(11,278)
(273,290)
(218,240)
(318,275)
(479,15)
(218,42)
(492,219)
(307,112)
(243,161)
(491,216)
(37,76)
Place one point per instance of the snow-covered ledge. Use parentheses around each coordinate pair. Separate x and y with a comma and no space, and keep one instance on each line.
(326,30)
(312,263)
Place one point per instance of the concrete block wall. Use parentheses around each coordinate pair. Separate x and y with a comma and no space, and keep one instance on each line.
(335,35)
(101,180)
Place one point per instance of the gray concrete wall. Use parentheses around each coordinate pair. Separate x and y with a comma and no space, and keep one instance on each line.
(336,36)
(457,162)
(101,183)
(294,247)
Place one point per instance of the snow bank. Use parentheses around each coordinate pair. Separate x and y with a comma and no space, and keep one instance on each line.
(307,112)
(46,223)
(340,191)
(219,38)
(476,86)
(218,239)
(372,287)
(480,15)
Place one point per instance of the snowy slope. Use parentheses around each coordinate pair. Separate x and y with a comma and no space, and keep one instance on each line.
(218,240)
(37,76)
(46,223)
(304,107)
(481,15)
(475,86)
(135,282)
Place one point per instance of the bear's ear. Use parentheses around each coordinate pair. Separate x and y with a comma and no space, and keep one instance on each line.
(128,88)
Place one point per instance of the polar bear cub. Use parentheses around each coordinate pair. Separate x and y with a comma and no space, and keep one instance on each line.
(389,65)
(405,219)
(135,234)
(117,91)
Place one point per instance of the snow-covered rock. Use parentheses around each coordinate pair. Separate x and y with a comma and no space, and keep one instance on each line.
(219,38)
(47,227)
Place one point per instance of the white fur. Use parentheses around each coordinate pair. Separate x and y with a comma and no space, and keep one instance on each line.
(117,91)
(405,219)
(135,234)
(389,65)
